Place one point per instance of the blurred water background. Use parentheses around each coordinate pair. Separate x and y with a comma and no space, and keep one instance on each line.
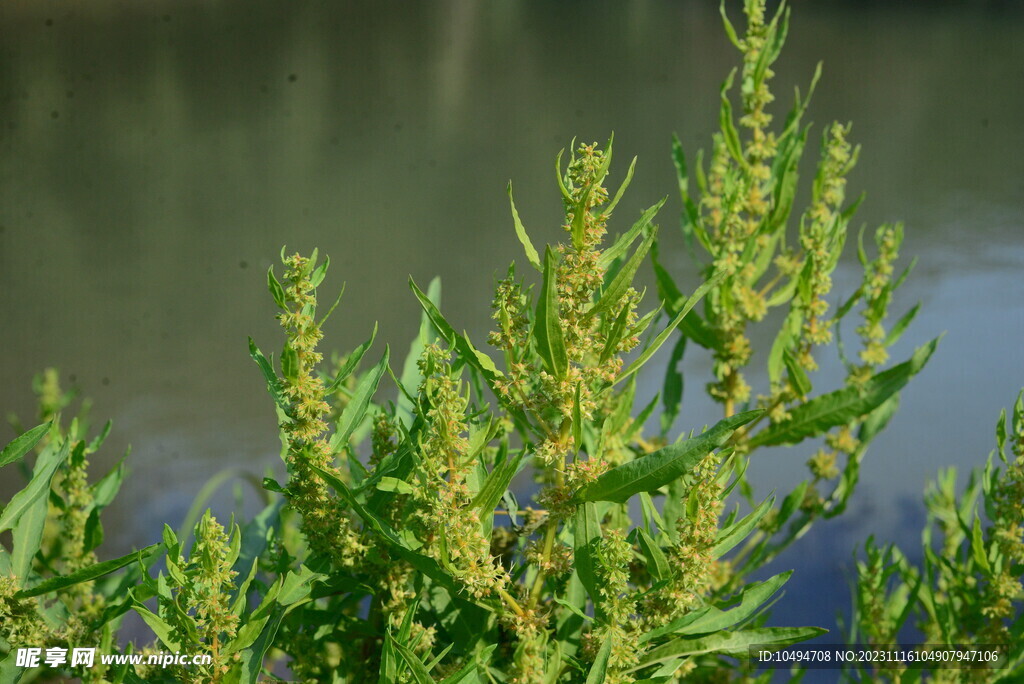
(155,156)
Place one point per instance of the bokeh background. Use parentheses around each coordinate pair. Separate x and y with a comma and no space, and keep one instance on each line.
(155,156)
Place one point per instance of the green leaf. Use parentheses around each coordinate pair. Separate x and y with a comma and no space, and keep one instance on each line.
(599,670)
(622,281)
(470,667)
(728,643)
(622,189)
(354,411)
(26,536)
(393,484)
(289,362)
(38,487)
(840,407)
(712,619)
(547,330)
(351,363)
(531,252)
(672,387)
(586,538)
(495,486)
(273,382)
(23,443)
(619,247)
(419,672)
(788,333)
(558,176)
(797,375)
(978,547)
(572,608)
(729,133)
(733,534)
(163,631)
(410,367)
(730,31)
(318,274)
(648,473)
(664,334)
(467,352)
(657,563)
(276,290)
(901,325)
(88,573)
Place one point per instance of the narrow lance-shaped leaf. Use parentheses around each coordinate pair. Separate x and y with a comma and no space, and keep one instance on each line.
(624,278)
(586,537)
(599,670)
(276,291)
(840,407)
(648,473)
(356,408)
(657,563)
(664,334)
(729,643)
(38,487)
(351,363)
(737,532)
(619,247)
(86,574)
(23,443)
(714,619)
(467,352)
(547,330)
(531,252)
(273,382)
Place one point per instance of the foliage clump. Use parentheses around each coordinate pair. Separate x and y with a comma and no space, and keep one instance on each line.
(397,548)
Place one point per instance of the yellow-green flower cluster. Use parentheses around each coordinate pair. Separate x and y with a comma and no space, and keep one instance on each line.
(877,291)
(735,206)
(451,524)
(690,557)
(207,595)
(20,623)
(578,277)
(613,560)
(820,230)
(324,523)
(761,146)
(1007,532)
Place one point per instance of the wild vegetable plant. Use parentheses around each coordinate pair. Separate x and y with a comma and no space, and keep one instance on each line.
(968,592)
(403,546)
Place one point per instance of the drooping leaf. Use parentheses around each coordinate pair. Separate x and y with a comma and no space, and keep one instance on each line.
(273,382)
(648,473)
(728,643)
(840,407)
(88,573)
